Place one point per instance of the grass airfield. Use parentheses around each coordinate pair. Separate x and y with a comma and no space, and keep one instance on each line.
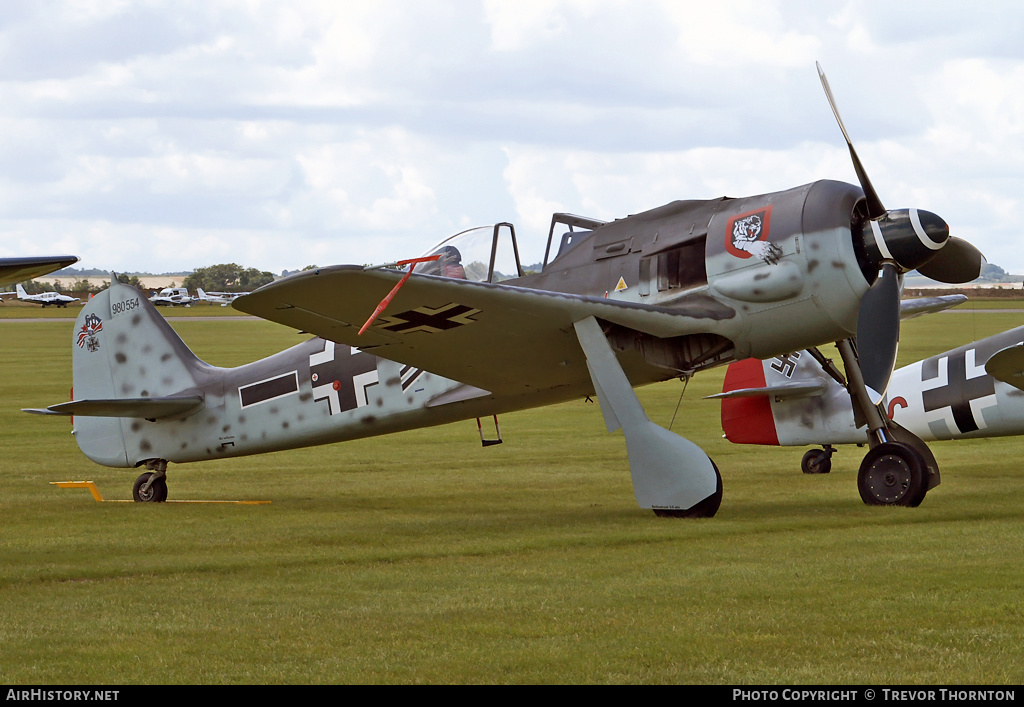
(424,558)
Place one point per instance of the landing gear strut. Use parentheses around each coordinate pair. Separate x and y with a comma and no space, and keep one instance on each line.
(671,475)
(899,469)
(151,487)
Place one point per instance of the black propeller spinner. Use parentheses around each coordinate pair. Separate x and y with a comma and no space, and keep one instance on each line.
(892,243)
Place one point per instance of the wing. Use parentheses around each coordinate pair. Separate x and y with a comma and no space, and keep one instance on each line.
(18,269)
(1007,365)
(501,338)
(910,308)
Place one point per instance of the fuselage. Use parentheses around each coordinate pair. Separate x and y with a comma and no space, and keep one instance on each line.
(317,392)
(943,397)
(951,396)
(747,277)
(49,298)
(780,271)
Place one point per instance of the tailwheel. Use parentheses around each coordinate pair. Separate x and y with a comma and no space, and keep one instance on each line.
(156,493)
(817,461)
(705,509)
(893,474)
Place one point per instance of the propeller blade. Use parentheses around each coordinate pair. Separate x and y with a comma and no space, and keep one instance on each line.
(878,331)
(875,208)
(958,261)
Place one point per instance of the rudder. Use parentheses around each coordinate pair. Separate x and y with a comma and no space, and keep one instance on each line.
(123,348)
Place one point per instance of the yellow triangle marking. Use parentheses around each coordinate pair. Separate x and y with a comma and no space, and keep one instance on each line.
(621,285)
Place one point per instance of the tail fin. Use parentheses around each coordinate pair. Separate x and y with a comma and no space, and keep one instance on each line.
(789,400)
(20,290)
(201,294)
(747,420)
(124,350)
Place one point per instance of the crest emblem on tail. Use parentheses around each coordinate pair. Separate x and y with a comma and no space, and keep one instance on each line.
(88,335)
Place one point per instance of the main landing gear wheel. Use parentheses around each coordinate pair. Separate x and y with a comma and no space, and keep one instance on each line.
(816,461)
(705,509)
(156,493)
(893,474)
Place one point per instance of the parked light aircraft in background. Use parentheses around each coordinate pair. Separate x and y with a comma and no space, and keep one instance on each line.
(221,298)
(172,297)
(798,399)
(20,269)
(651,297)
(44,298)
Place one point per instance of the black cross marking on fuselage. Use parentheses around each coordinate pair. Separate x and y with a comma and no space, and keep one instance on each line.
(429,320)
(343,367)
(958,392)
(786,363)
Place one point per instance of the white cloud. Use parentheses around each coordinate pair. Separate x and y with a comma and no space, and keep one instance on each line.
(739,33)
(520,25)
(298,132)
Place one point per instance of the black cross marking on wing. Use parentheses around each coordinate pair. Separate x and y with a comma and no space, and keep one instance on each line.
(958,392)
(429,319)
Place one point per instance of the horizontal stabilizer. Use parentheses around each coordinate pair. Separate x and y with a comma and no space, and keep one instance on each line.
(782,391)
(1007,366)
(910,308)
(457,395)
(148,408)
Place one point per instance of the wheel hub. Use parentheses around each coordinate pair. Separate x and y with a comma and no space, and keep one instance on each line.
(892,474)
(889,478)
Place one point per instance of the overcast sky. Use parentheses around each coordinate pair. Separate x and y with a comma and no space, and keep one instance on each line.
(162,136)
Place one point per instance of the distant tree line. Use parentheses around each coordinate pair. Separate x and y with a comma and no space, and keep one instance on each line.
(82,273)
(286,273)
(227,277)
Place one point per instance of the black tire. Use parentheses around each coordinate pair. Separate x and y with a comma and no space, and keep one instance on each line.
(893,474)
(816,461)
(157,491)
(705,509)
